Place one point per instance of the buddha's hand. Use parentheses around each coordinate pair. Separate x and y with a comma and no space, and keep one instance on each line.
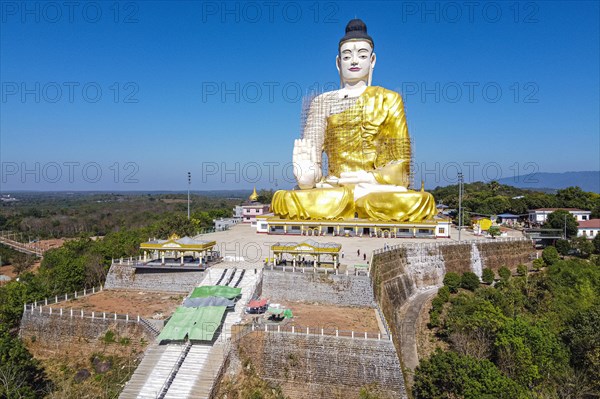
(357,177)
(307,168)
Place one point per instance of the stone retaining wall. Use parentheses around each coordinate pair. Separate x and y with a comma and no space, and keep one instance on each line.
(124,276)
(399,272)
(331,289)
(62,330)
(313,366)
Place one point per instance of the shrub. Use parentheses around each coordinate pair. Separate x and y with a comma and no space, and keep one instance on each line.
(521,270)
(469,281)
(504,273)
(444,294)
(109,337)
(487,275)
(538,264)
(452,281)
(550,255)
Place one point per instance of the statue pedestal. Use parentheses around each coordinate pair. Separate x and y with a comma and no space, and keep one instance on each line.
(434,228)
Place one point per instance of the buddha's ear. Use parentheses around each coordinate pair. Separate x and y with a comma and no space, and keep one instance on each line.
(337,63)
(370,78)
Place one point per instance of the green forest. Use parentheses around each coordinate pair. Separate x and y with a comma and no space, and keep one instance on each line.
(531,335)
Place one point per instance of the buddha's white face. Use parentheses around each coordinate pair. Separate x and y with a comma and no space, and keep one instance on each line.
(355,61)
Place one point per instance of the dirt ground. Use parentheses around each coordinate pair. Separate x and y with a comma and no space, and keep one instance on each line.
(329,316)
(146,304)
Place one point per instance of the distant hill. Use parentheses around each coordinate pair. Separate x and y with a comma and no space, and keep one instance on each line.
(587,181)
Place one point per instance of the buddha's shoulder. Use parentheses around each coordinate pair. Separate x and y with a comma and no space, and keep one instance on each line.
(387,93)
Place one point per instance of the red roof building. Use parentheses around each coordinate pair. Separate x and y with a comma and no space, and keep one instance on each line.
(589,228)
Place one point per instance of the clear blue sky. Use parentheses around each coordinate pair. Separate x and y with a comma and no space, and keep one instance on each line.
(496,88)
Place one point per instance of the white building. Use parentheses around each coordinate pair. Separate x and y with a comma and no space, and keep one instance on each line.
(540,215)
(225,223)
(589,228)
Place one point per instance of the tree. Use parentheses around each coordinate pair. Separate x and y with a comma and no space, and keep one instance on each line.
(469,281)
(574,197)
(563,247)
(448,374)
(582,336)
(504,273)
(20,374)
(583,246)
(596,242)
(561,218)
(487,275)
(452,281)
(22,262)
(522,270)
(494,231)
(550,255)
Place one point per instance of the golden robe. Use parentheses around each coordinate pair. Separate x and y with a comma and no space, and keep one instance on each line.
(371,136)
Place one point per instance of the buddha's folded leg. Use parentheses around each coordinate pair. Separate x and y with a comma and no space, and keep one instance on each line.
(316,203)
(410,206)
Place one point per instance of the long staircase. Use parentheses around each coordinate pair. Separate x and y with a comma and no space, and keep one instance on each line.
(179,371)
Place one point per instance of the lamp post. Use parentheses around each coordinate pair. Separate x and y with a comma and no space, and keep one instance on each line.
(189,183)
(460,211)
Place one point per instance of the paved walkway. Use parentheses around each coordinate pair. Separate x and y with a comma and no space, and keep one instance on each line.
(242,241)
(408,332)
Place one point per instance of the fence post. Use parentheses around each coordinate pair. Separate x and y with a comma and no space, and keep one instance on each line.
(293,331)
(46,301)
(101,287)
(75,294)
(82,313)
(41,307)
(307,330)
(66,297)
(93,314)
(138,318)
(115,316)
(55,298)
(379,336)
(127,318)
(278,328)
(103,315)
(266,327)
(322,332)
(71,312)
(365,335)
(84,292)
(25,307)
(352,334)
(336,333)
(93,290)
(51,310)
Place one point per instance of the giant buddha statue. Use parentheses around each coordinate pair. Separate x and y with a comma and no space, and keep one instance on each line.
(360,133)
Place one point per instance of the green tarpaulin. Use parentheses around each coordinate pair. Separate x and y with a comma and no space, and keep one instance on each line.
(216,290)
(281,312)
(198,324)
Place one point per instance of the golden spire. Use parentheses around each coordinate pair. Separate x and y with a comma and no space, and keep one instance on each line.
(254,196)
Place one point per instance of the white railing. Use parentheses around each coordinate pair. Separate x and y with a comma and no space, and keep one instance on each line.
(65,297)
(318,270)
(312,331)
(80,313)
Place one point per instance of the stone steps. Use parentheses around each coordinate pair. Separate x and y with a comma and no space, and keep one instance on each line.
(152,372)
